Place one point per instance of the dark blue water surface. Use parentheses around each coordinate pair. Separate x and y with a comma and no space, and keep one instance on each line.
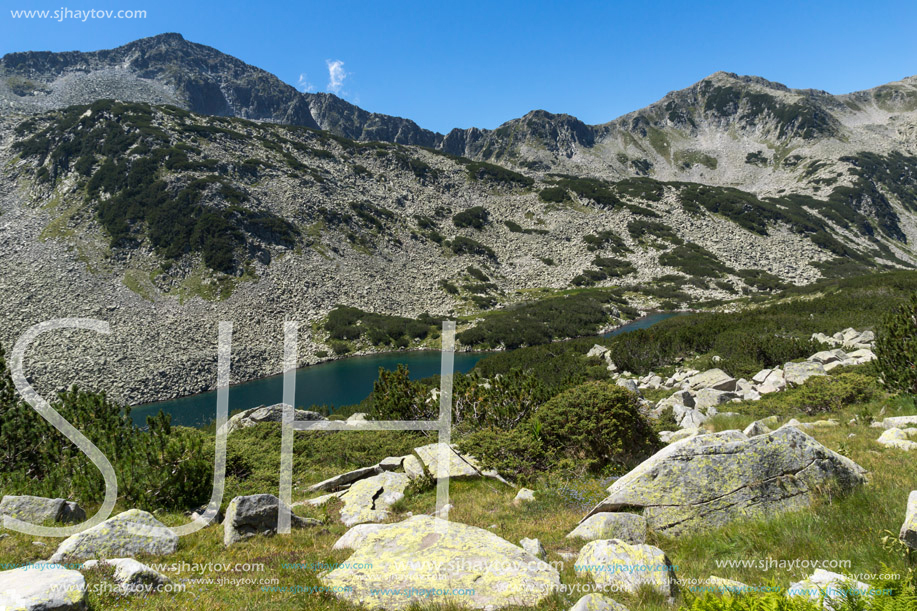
(335,383)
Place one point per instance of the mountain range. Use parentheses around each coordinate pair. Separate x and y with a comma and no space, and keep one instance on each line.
(164,186)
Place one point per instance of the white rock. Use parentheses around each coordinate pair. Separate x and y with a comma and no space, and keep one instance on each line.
(534,547)
(909,528)
(524,496)
(833,586)
(42,588)
(597,602)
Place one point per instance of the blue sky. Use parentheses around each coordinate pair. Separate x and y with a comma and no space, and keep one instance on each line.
(463,64)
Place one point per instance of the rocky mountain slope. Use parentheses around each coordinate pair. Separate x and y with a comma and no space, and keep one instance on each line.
(164,221)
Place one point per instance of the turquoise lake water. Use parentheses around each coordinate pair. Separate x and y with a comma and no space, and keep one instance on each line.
(335,383)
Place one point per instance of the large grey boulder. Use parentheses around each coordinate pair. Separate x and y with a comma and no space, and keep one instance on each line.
(127,534)
(42,587)
(909,528)
(707,481)
(256,514)
(269,413)
(773,381)
(709,397)
(828,356)
(38,510)
(628,527)
(797,373)
(831,588)
(628,384)
(624,567)
(716,379)
(368,500)
(401,562)
(458,466)
(597,602)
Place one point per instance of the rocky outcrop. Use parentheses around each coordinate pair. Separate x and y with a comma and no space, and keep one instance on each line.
(256,514)
(42,588)
(127,534)
(270,413)
(410,558)
(710,480)
(38,510)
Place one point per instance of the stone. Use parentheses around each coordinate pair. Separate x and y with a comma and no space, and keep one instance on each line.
(895,422)
(597,351)
(688,417)
(358,417)
(698,483)
(42,588)
(774,382)
(627,527)
(534,547)
(756,428)
(863,355)
(708,397)
(321,500)
(38,510)
(344,479)
(833,586)
(392,463)
(761,376)
(412,467)
(828,356)
(422,553)
(127,534)
(899,438)
(797,373)
(369,499)
(200,512)
(628,384)
(458,466)
(679,435)
(909,528)
(597,602)
(626,567)
(133,576)
(256,514)
(715,379)
(270,413)
(524,496)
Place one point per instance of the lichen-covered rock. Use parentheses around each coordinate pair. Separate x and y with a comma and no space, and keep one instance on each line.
(354,537)
(710,480)
(458,466)
(409,560)
(127,534)
(256,514)
(269,413)
(834,587)
(524,496)
(756,428)
(797,373)
(628,527)
(903,439)
(720,586)
(368,500)
(597,602)
(672,437)
(626,567)
(38,510)
(709,397)
(412,467)
(828,356)
(628,384)
(909,528)
(42,588)
(715,379)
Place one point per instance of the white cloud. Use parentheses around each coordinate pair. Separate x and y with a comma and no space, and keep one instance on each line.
(304,85)
(336,75)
